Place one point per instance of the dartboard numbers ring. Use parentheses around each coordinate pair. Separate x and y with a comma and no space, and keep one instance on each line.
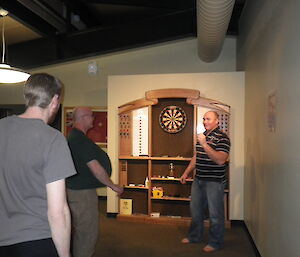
(172,119)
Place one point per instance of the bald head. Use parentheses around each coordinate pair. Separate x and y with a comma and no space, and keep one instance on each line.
(80,112)
(210,120)
(215,114)
(83,118)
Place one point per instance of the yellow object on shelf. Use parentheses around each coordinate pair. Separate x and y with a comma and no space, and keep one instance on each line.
(126,206)
(157,192)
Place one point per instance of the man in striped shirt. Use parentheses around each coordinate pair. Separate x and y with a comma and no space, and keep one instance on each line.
(211,163)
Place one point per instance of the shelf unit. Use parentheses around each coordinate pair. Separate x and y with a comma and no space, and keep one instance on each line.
(147,151)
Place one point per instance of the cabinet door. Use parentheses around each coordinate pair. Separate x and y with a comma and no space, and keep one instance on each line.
(132,176)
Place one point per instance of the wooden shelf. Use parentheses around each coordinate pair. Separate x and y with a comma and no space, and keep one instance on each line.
(136,187)
(102,144)
(170,179)
(169,198)
(133,218)
(129,157)
(170,158)
(167,220)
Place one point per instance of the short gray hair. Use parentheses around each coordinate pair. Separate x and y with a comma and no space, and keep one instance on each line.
(40,88)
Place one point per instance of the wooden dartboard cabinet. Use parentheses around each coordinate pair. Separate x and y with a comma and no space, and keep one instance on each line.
(150,144)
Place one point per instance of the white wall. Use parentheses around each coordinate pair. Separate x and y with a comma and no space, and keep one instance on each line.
(225,87)
(82,89)
(268,51)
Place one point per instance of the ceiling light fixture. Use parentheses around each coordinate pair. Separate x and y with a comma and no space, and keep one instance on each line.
(9,74)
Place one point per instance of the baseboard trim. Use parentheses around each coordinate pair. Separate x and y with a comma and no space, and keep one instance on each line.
(111,215)
(238,223)
(242,224)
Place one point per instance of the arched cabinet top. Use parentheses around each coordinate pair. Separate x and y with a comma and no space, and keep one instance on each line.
(173,93)
(192,97)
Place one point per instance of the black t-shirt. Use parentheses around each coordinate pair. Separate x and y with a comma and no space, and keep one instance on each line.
(84,150)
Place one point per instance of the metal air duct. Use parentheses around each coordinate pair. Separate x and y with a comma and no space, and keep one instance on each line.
(213,17)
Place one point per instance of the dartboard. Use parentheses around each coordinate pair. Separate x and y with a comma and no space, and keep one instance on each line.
(172,119)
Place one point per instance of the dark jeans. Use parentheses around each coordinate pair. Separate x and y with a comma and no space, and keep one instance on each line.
(207,194)
(36,248)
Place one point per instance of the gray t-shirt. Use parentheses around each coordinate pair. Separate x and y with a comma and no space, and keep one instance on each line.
(32,154)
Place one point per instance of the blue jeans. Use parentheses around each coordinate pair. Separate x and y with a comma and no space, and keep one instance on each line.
(207,194)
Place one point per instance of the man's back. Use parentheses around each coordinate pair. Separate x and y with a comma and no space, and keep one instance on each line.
(32,154)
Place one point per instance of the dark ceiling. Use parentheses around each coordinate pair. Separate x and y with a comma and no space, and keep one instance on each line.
(73,29)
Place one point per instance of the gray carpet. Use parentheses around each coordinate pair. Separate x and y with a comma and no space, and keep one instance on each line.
(127,239)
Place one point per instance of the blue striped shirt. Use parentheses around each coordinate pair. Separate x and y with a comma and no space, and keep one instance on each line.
(207,169)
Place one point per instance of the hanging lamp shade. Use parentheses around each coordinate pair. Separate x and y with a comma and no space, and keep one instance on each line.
(10,74)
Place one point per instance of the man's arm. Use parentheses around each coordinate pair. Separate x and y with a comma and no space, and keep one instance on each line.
(218,157)
(59,217)
(100,173)
(188,170)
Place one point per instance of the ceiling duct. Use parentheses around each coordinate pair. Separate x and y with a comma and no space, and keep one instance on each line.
(213,17)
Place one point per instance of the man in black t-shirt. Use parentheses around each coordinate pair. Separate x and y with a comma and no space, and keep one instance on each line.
(211,163)
(93,170)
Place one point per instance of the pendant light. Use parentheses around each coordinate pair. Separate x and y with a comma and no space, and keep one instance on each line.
(9,74)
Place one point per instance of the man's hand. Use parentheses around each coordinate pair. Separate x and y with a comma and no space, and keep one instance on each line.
(183,179)
(201,139)
(218,157)
(188,170)
(118,189)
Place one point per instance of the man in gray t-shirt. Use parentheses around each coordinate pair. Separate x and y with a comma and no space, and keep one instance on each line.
(34,162)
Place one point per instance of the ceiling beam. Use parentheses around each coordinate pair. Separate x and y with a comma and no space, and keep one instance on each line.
(53,16)
(99,41)
(166,4)
(28,18)
(79,8)
(233,27)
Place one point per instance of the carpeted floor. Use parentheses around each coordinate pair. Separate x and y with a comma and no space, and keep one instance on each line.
(127,239)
